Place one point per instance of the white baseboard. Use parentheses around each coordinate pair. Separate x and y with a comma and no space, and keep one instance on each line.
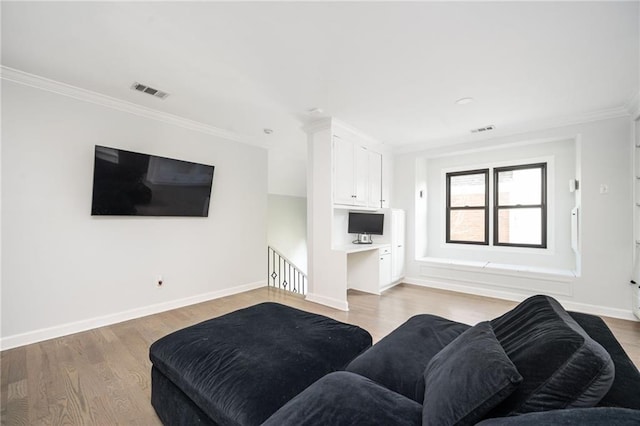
(341,305)
(462,288)
(393,284)
(91,323)
(599,310)
(518,297)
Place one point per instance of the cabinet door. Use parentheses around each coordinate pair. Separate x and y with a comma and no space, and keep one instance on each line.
(385,269)
(343,173)
(397,244)
(361,175)
(386,166)
(375,180)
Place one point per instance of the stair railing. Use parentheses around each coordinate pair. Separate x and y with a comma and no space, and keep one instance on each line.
(283,274)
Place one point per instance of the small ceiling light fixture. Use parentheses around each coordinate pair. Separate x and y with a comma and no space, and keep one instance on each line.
(464,101)
(267,131)
(315,111)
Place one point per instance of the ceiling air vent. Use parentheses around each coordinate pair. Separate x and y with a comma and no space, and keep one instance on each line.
(150,90)
(483,129)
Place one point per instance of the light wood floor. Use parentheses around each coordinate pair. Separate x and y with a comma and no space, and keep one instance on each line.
(101,377)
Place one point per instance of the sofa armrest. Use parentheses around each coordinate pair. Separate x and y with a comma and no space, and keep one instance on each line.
(344,398)
(571,417)
(624,390)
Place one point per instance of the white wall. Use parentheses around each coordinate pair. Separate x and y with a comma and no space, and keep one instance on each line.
(288,170)
(64,270)
(561,166)
(287,228)
(604,156)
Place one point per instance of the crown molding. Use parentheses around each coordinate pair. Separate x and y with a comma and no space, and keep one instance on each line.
(340,128)
(530,127)
(633,106)
(317,125)
(355,131)
(42,83)
(329,122)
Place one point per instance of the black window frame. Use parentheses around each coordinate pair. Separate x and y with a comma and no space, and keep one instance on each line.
(543,204)
(485,208)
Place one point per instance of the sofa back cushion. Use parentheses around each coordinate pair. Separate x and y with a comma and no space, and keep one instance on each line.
(397,362)
(561,366)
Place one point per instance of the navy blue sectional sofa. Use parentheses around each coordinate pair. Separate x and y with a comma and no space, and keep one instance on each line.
(535,365)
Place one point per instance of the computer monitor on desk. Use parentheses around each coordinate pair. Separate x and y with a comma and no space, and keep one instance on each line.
(365,225)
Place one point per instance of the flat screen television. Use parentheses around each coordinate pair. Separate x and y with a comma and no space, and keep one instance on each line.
(366,223)
(129,183)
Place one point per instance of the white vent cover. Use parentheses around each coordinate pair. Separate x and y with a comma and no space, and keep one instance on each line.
(150,90)
(483,129)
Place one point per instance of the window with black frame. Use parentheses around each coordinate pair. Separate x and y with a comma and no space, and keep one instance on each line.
(467,215)
(520,206)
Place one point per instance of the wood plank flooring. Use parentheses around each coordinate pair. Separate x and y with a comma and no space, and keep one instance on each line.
(101,377)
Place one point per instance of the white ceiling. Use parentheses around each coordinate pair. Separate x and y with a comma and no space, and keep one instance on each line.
(391,69)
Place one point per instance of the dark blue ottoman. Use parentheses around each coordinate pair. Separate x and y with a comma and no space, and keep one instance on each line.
(240,368)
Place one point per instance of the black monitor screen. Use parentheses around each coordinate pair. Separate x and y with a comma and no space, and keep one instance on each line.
(366,223)
(128,183)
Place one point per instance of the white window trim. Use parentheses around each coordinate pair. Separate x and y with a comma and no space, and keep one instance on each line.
(551,240)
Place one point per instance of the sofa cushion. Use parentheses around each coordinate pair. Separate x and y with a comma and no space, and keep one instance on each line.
(398,360)
(467,378)
(241,367)
(347,399)
(571,417)
(561,366)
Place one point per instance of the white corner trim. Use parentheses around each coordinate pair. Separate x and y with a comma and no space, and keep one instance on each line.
(355,131)
(516,297)
(38,82)
(330,122)
(317,125)
(633,106)
(341,305)
(101,321)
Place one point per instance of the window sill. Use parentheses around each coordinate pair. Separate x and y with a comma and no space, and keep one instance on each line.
(536,272)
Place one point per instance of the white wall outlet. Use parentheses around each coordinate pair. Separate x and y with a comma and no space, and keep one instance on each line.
(159,281)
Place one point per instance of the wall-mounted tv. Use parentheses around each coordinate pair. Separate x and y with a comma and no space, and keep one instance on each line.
(366,223)
(129,183)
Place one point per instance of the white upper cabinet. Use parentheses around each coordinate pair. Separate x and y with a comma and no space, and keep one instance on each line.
(375,180)
(343,173)
(361,176)
(357,174)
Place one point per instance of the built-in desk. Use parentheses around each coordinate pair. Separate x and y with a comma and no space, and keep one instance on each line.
(368,266)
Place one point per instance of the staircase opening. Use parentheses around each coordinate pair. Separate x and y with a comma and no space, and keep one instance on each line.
(283,274)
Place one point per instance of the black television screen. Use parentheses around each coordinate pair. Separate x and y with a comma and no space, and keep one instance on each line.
(129,183)
(366,223)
